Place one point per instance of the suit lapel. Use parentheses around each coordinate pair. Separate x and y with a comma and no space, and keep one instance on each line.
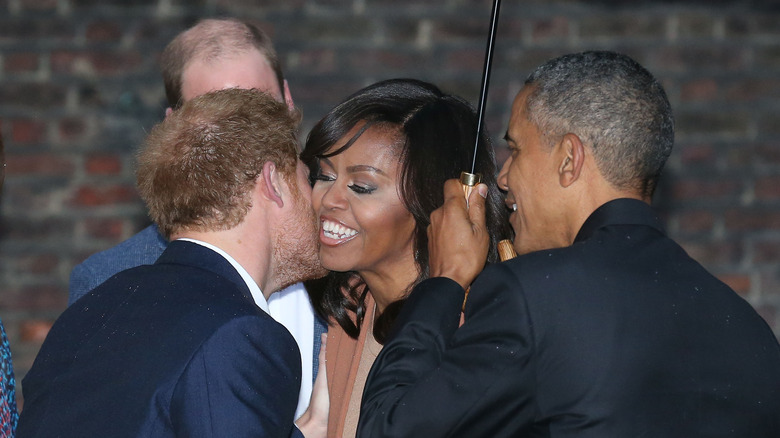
(191,254)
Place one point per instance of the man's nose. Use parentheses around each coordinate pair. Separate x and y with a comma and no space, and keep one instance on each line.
(502,176)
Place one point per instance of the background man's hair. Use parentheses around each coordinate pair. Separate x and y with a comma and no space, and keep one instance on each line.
(212,39)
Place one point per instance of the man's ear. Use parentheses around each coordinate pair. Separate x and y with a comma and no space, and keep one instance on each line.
(168,111)
(270,184)
(288,97)
(572,158)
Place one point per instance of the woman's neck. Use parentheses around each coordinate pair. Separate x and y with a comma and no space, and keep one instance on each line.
(388,287)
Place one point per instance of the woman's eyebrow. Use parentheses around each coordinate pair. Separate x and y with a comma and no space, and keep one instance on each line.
(364,168)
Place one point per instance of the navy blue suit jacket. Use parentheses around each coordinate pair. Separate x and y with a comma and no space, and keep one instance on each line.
(144,248)
(619,335)
(177,348)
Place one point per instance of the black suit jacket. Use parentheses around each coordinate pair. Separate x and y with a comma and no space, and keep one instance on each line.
(619,335)
(177,348)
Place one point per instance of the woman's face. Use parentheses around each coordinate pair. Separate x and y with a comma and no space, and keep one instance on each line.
(364,225)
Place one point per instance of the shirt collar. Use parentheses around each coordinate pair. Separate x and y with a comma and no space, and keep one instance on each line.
(622,211)
(254,289)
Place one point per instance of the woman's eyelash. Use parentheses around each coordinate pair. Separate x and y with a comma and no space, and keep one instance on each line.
(361,190)
(321,177)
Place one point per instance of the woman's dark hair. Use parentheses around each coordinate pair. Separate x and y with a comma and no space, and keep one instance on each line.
(437,141)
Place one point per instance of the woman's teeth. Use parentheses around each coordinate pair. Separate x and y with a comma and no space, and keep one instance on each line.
(334,230)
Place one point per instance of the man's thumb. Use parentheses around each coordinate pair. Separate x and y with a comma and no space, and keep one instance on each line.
(477,205)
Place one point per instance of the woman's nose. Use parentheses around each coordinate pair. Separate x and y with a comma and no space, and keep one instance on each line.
(333,197)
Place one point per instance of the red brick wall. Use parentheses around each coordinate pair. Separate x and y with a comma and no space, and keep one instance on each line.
(79,86)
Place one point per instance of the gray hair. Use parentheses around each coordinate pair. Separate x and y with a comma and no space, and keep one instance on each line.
(614,105)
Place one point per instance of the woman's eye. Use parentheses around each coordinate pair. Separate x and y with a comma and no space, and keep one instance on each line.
(322,177)
(361,190)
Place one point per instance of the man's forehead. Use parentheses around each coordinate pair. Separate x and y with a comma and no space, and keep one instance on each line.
(249,69)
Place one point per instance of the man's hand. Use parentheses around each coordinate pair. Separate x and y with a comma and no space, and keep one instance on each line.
(457,238)
(314,422)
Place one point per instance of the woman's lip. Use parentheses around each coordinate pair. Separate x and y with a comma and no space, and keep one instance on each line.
(330,240)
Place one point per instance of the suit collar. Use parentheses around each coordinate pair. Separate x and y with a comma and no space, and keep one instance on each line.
(188,253)
(620,212)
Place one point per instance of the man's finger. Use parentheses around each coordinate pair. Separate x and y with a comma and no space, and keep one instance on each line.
(453,192)
(477,205)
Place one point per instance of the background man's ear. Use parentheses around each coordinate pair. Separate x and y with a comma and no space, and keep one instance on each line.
(270,183)
(288,97)
(572,159)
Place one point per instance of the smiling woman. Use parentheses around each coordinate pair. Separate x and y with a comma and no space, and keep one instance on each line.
(378,163)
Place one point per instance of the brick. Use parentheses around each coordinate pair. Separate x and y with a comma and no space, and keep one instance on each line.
(103,164)
(693,25)
(695,221)
(21,62)
(35,330)
(710,188)
(43,164)
(766,251)
(767,124)
(770,283)
(736,26)
(36,264)
(108,228)
(269,4)
(26,131)
(769,313)
(405,30)
(710,252)
(511,28)
(462,29)
(699,90)
(95,63)
(767,58)
(334,30)
(468,61)
(743,220)
(753,90)
(36,28)
(680,58)
(701,123)
(739,282)
(314,61)
(124,3)
(767,188)
(26,229)
(39,5)
(104,31)
(768,24)
(88,196)
(35,297)
(699,153)
(768,153)
(621,26)
(72,129)
(25,95)
(549,30)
